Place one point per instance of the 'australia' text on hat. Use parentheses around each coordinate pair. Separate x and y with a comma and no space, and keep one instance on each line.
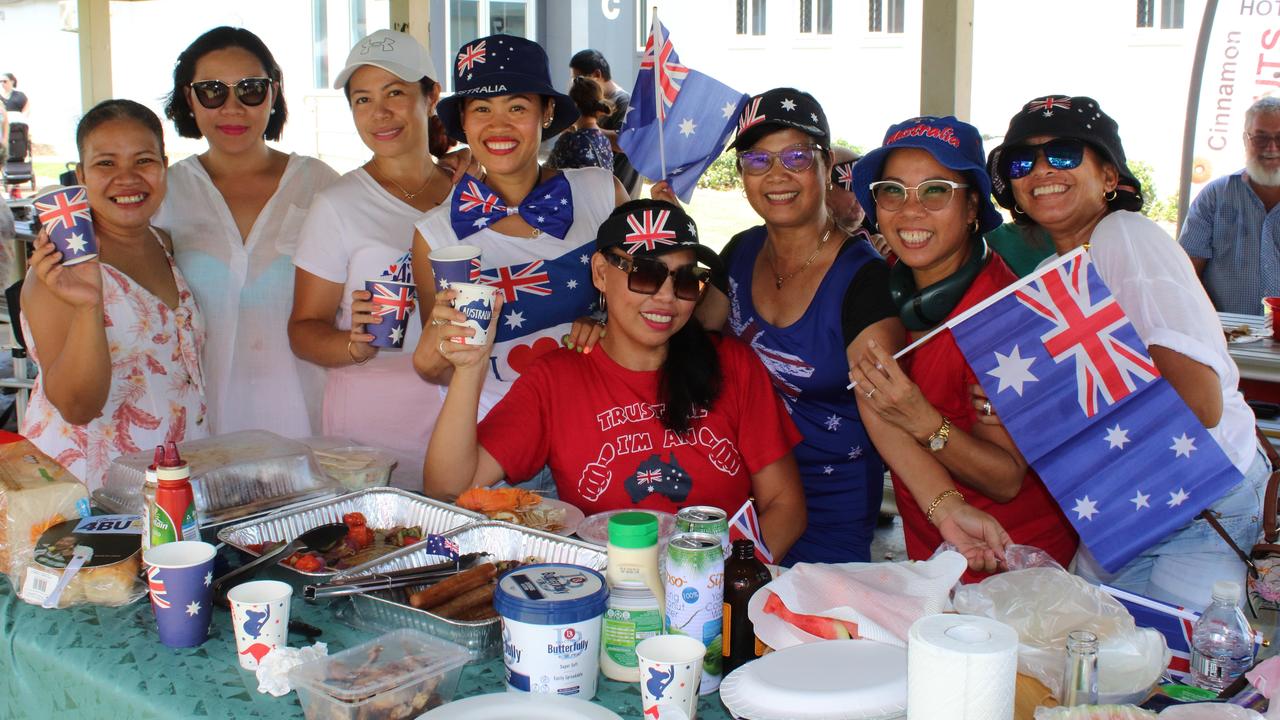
(945,134)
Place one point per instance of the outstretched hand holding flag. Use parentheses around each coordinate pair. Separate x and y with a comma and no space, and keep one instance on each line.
(679,119)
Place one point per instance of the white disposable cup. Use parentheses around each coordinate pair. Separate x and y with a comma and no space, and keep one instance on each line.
(260,618)
(670,673)
(476,302)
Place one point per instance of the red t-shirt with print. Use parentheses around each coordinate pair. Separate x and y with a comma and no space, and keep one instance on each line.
(597,424)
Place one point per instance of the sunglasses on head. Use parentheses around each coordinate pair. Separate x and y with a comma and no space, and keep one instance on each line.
(934,195)
(796,158)
(646,276)
(1060,153)
(213,94)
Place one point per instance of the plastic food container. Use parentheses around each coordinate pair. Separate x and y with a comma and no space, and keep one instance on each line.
(397,676)
(356,467)
(551,615)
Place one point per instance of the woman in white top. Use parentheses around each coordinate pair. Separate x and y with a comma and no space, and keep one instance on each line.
(1062,167)
(359,229)
(234,213)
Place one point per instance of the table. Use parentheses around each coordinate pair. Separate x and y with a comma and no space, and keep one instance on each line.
(96,662)
(1257,360)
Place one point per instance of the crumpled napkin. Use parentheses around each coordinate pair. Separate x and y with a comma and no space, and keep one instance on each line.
(273,672)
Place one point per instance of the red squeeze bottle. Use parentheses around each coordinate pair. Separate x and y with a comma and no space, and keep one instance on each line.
(175,515)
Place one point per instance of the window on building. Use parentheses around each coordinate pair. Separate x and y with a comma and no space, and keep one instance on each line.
(751,15)
(320,43)
(471,19)
(815,16)
(642,24)
(885,16)
(1163,14)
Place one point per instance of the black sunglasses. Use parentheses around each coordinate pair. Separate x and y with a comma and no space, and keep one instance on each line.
(646,276)
(213,94)
(1060,153)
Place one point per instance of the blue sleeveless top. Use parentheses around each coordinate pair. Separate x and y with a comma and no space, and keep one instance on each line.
(842,473)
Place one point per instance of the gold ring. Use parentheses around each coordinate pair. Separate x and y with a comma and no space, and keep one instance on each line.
(437,322)
(440,347)
(986,407)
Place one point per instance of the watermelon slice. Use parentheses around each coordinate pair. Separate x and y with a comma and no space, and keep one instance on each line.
(816,625)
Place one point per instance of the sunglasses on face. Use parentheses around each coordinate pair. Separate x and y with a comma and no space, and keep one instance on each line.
(213,94)
(934,195)
(1061,154)
(646,276)
(1262,141)
(796,158)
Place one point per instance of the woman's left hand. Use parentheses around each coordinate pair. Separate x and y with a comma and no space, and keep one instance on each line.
(661,190)
(458,163)
(584,334)
(893,396)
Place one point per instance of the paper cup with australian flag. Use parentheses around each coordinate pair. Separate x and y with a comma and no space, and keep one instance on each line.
(476,303)
(394,304)
(64,213)
(180,578)
(260,617)
(456,264)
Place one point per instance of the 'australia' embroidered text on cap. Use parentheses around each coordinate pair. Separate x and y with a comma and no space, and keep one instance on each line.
(946,135)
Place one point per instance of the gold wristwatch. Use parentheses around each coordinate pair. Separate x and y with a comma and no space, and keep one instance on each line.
(938,439)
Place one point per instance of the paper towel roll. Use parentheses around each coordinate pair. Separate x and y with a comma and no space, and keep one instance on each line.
(961,667)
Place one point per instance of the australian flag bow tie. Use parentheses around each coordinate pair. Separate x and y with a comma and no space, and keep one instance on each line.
(548,207)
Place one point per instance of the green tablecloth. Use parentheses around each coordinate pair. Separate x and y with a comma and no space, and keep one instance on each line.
(94,662)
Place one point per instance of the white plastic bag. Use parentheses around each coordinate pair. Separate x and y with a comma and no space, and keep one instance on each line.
(1208,711)
(1043,604)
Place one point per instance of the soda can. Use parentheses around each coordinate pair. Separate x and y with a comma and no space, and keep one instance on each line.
(705,519)
(695,597)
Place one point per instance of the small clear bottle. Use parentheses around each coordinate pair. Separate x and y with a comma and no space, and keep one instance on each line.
(1221,641)
(149,485)
(1080,675)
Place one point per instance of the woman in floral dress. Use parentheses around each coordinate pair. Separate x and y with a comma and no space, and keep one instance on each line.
(117,339)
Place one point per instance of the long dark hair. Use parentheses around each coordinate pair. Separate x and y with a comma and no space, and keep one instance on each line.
(690,379)
(178,109)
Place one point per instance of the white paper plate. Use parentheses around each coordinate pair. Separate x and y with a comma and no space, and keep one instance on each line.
(505,706)
(828,680)
(595,529)
(572,516)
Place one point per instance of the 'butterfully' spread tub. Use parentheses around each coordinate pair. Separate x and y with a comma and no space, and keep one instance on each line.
(551,616)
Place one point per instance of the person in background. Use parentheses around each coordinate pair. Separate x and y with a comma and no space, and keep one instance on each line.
(592,64)
(118,339)
(808,298)
(932,201)
(15,101)
(4,135)
(718,437)
(234,213)
(1066,173)
(842,203)
(1232,229)
(359,228)
(584,144)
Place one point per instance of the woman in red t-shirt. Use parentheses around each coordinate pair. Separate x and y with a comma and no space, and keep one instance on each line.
(928,190)
(661,415)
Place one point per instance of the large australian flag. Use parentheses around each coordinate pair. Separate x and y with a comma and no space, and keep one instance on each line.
(682,115)
(1124,456)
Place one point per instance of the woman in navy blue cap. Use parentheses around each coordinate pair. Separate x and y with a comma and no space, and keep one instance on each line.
(662,415)
(535,227)
(808,297)
(928,192)
(1062,169)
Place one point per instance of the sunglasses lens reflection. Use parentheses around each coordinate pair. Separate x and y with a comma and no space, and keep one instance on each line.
(212,94)
(648,275)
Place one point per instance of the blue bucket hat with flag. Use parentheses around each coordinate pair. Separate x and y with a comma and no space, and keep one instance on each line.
(502,65)
(953,143)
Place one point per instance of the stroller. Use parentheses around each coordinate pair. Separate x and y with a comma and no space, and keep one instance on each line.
(18,169)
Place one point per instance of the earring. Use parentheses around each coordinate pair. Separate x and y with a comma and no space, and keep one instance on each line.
(603,305)
(192,113)
(1017,210)
(273,111)
(546,123)
(976,227)
(1109,196)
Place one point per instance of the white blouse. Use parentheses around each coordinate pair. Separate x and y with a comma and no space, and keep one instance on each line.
(245,290)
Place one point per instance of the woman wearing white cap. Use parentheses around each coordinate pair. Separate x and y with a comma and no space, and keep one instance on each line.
(360,229)
(234,213)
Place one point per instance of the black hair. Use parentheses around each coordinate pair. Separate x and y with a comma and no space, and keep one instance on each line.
(12,78)
(690,378)
(587,95)
(178,109)
(589,61)
(438,140)
(109,110)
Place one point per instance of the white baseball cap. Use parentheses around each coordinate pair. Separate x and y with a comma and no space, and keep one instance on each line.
(398,53)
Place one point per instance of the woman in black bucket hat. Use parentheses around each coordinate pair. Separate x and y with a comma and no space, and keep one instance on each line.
(1062,168)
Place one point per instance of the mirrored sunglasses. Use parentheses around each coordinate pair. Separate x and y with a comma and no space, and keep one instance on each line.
(796,158)
(213,94)
(646,276)
(934,195)
(1061,154)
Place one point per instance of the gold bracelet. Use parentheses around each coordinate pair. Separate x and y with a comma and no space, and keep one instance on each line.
(928,514)
(352,355)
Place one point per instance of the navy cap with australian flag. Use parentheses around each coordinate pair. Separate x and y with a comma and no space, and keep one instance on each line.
(649,228)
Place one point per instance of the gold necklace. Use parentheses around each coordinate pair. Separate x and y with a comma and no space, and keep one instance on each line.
(407,195)
(779,278)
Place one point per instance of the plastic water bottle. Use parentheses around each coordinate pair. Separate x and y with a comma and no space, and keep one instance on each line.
(1222,641)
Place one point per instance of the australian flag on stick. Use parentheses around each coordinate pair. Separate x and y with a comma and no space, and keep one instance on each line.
(1120,451)
(679,119)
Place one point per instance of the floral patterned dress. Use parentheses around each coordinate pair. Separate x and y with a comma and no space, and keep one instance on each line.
(157,389)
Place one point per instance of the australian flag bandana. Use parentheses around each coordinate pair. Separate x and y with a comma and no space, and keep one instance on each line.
(548,207)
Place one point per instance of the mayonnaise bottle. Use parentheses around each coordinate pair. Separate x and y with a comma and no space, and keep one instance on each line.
(632,566)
